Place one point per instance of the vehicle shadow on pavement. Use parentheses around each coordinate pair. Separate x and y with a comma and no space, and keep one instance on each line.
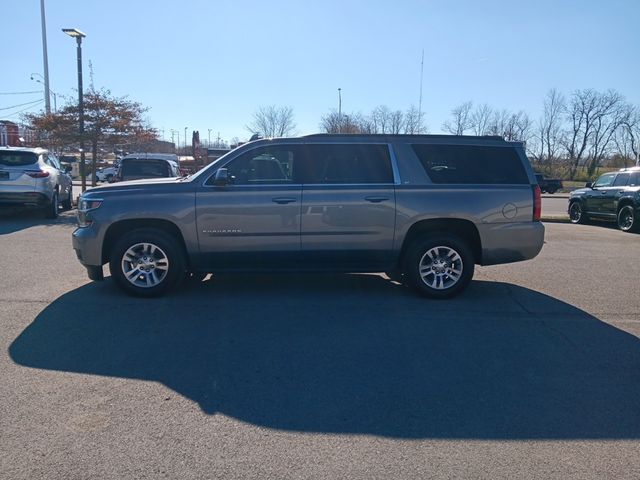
(357,354)
(13,219)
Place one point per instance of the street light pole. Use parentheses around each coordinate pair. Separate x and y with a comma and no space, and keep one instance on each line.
(339,110)
(78,35)
(209,138)
(45,60)
(185,138)
(55,99)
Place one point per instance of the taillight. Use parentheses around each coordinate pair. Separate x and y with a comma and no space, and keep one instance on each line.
(37,173)
(537,203)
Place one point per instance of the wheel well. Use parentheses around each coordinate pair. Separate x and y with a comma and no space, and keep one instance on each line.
(464,229)
(624,203)
(117,229)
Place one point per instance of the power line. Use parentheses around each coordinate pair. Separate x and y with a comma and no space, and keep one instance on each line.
(24,109)
(20,105)
(20,93)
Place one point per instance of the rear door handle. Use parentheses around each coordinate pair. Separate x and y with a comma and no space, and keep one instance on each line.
(283,200)
(376,199)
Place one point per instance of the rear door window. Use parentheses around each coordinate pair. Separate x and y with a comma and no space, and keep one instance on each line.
(348,164)
(471,164)
(17,159)
(621,180)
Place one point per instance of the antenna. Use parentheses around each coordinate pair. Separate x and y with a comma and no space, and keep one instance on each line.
(421,76)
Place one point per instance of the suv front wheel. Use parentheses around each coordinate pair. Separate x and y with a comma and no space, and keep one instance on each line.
(147,262)
(576,213)
(439,265)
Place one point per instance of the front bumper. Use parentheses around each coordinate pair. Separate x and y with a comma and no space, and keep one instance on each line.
(88,246)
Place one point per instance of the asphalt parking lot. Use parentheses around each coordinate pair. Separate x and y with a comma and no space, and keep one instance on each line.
(533,373)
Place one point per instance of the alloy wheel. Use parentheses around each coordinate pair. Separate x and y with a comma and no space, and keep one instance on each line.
(441,267)
(145,265)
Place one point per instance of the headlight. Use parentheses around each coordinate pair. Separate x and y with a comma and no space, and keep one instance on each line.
(89,204)
(84,208)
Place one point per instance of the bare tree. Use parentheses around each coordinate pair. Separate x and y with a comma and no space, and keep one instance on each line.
(335,122)
(628,135)
(272,121)
(396,122)
(414,121)
(461,119)
(550,127)
(381,119)
(608,117)
(580,115)
(480,119)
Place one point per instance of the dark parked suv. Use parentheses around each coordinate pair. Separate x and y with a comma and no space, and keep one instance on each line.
(614,197)
(423,208)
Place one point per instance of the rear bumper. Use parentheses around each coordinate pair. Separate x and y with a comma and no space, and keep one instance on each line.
(510,242)
(36,199)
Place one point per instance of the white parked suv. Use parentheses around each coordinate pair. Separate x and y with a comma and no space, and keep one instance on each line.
(33,177)
(106,174)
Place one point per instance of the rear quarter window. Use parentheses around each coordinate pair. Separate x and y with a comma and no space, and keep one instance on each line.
(471,164)
(17,159)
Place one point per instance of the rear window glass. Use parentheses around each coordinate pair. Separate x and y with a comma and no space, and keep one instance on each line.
(17,159)
(634,180)
(145,168)
(471,164)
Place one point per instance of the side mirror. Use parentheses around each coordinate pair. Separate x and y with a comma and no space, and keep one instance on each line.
(222,177)
(588,185)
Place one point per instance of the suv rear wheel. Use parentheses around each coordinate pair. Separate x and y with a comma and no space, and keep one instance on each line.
(147,262)
(627,219)
(439,265)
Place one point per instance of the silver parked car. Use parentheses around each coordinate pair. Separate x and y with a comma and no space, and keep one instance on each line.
(33,177)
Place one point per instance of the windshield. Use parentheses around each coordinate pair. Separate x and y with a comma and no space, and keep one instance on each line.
(17,159)
(145,169)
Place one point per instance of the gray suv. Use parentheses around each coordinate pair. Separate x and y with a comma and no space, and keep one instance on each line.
(425,209)
(34,177)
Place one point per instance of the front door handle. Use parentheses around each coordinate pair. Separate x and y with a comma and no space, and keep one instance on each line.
(283,200)
(376,199)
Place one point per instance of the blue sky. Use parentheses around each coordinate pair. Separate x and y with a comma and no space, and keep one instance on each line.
(210,64)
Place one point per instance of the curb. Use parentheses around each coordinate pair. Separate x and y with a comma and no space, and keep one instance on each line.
(556,219)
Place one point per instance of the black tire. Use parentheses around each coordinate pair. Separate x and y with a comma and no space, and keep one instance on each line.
(439,265)
(551,191)
(109,178)
(52,208)
(68,203)
(576,213)
(140,255)
(628,221)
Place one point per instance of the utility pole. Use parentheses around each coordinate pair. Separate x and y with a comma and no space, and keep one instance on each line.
(45,59)
(209,137)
